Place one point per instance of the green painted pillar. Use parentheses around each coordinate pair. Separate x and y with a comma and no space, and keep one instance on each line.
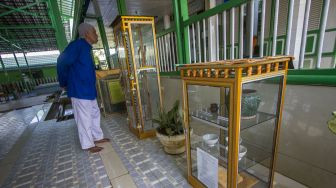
(180,10)
(177,19)
(56,20)
(122,7)
(17,63)
(3,67)
(102,32)
(30,73)
(2,64)
(77,17)
(185,16)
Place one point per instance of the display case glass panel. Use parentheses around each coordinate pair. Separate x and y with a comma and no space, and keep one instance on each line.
(233,111)
(208,122)
(137,55)
(259,117)
(146,72)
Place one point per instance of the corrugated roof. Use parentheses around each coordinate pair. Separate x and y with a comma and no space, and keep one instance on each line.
(27,24)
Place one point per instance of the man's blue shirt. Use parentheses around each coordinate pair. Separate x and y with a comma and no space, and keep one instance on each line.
(75,70)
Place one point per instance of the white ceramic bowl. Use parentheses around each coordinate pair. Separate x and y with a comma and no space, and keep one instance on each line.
(240,140)
(210,139)
(242,151)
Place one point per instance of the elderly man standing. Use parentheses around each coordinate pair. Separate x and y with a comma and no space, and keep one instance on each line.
(76,74)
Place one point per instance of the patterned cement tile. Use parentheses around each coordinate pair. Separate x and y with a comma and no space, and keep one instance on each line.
(13,124)
(147,163)
(53,158)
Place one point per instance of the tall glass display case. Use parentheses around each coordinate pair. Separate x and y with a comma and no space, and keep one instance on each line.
(232,116)
(137,57)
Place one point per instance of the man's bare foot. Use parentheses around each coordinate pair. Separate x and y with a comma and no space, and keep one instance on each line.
(95,149)
(102,140)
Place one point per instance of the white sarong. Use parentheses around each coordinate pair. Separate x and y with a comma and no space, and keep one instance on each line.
(87,117)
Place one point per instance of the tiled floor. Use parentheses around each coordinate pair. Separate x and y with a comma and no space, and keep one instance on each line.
(53,158)
(24,102)
(145,160)
(13,124)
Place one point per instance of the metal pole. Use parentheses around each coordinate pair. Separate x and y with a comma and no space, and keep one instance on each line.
(56,20)
(262,32)
(304,34)
(169,52)
(161,54)
(241,32)
(173,47)
(204,41)
(30,73)
(232,31)
(323,24)
(185,16)
(188,41)
(102,32)
(210,31)
(179,31)
(194,41)
(289,26)
(199,41)
(122,7)
(4,68)
(217,38)
(251,28)
(17,63)
(224,35)
(275,27)
(164,53)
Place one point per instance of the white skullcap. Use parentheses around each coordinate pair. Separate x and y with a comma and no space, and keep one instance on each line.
(83,28)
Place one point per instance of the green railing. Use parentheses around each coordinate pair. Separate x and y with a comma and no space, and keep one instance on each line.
(202,44)
(166,45)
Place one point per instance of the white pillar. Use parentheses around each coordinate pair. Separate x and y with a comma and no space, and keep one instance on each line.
(255,26)
(166,21)
(212,33)
(297,26)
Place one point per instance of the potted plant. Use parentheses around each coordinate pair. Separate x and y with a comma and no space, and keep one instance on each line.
(170,130)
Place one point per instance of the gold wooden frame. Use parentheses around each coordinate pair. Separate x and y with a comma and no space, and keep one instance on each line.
(123,24)
(233,74)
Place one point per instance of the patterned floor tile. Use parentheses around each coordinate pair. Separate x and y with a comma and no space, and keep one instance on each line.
(13,124)
(145,160)
(53,158)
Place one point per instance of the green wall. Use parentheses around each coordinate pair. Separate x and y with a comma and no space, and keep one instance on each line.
(14,75)
(49,72)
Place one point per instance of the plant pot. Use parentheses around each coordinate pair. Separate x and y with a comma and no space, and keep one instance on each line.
(250,103)
(172,144)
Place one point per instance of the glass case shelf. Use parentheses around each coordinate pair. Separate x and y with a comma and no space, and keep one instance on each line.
(255,154)
(222,122)
(146,68)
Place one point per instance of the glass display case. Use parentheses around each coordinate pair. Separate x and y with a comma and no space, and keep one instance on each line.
(137,57)
(110,96)
(232,116)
